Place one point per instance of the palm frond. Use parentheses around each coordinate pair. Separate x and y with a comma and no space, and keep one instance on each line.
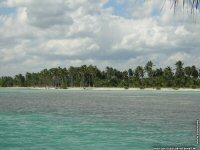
(193,3)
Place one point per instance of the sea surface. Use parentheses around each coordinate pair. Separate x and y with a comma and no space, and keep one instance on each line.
(97,120)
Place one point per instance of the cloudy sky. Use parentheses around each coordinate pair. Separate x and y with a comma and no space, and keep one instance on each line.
(38,34)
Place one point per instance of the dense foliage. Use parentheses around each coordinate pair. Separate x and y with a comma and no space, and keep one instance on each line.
(91,76)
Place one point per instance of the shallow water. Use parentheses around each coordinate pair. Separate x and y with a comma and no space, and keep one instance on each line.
(96,120)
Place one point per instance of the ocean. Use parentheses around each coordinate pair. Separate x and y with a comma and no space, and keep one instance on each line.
(97,120)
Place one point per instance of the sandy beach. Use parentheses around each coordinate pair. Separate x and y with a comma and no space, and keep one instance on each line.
(113,89)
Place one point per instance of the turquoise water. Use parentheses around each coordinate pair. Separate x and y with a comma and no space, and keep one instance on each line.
(92,120)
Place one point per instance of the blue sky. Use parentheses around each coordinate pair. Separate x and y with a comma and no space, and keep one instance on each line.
(119,8)
(7,11)
(44,34)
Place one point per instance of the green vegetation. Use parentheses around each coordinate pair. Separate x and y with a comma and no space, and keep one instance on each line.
(90,76)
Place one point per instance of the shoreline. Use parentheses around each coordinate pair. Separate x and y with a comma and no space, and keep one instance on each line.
(108,89)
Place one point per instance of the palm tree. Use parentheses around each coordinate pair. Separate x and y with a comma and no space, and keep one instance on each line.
(72,73)
(194,72)
(82,73)
(179,74)
(187,71)
(139,72)
(168,76)
(179,68)
(28,78)
(194,3)
(6,81)
(191,75)
(130,73)
(20,80)
(149,68)
(92,74)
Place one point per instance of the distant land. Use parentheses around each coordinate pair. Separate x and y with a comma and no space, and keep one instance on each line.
(90,77)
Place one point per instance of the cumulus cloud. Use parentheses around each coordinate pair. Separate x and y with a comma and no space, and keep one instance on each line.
(49,33)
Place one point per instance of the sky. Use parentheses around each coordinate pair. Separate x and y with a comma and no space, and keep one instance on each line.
(123,34)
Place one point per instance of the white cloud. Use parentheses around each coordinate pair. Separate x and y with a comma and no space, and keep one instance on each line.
(45,34)
(70,47)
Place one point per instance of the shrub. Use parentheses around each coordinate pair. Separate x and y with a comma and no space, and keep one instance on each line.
(158,88)
(126,87)
(142,87)
(193,87)
(175,88)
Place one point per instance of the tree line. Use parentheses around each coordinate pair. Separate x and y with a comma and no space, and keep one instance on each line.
(90,76)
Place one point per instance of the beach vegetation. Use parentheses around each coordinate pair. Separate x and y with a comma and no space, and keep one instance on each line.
(147,76)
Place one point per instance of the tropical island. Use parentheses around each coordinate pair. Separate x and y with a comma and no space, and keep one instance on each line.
(90,76)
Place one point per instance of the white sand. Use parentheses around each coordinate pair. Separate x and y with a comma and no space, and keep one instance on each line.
(114,89)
